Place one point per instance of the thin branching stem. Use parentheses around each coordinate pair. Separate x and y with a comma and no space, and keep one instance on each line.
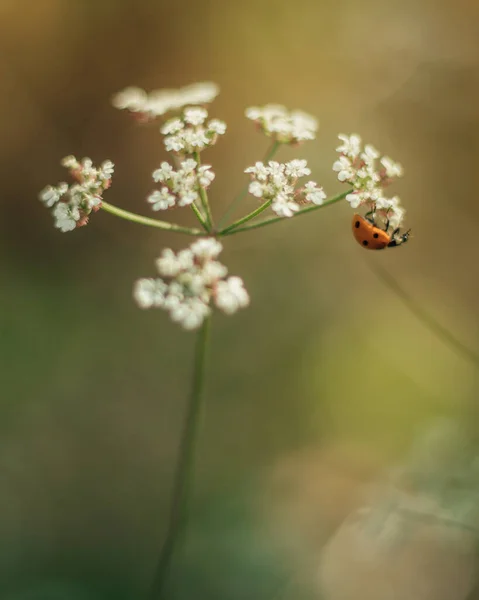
(204,197)
(199,216)
(246,218)
(134,218)
(230,230)
(185,466)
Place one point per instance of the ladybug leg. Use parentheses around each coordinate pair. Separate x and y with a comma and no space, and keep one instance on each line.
(387,225)
(370,218)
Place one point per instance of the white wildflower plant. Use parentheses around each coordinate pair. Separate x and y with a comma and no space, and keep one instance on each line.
(190,282)
(193,281)
(72,204)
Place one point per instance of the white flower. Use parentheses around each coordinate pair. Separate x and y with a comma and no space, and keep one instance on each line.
(198,93)
(370,154)
(285,126)
(231,295)
(159,102)
(351,146)
(313,193)
(107,169)
(284,207)
(150,292)
(194,278)
(181,187)
(66,216)
(393,169)
(213,271)
(170,264)
(256,189)
(51,195)
(276,182)
(205,176)
(217,127)
(133,99)
(161,200)
(164,173)
(297,168)
(344,169)
(190,314)
(206,248)
(172,126)
(74,203)
(354,199)
(195,115)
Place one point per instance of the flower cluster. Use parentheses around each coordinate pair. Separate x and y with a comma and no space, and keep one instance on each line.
(72,204)
(283,125)
(190,280)
(359,168)
(190,132)
(147,107)
(179,187)
(276,183)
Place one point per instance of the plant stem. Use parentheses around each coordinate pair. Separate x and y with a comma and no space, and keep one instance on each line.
(268,156)
(199,216)
(184,467)
(308,209)
(134,218)
(246,218)
(204,197)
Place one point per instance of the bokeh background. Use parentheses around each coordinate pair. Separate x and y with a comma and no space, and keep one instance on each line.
(319,389)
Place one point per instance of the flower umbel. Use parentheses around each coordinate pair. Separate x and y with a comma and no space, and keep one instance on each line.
(285,126)
(191,132)
(72,204)
(276,183)
(190,280)
(181,187)
(149,106)
(359,168)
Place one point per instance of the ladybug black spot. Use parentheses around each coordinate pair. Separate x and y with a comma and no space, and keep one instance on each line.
(365,242)
(357,224)
(375,235)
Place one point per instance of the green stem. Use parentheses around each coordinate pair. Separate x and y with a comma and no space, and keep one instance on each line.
(134,218)
(184,468)
(267,157)
(308,209)
(204,197)
(199,216)
(245,219)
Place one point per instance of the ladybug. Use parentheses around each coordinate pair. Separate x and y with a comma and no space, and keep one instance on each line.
(372,237)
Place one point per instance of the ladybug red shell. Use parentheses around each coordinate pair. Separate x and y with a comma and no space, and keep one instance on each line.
(374,238)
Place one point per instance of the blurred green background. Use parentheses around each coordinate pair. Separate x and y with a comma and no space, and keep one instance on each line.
(317,388)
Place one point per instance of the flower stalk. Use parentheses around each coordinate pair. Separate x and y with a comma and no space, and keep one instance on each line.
(134,218)
(185,465)
(204,199)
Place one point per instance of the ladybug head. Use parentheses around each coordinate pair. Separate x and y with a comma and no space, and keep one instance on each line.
(399,238)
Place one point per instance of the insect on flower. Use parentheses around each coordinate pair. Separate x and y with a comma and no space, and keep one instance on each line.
(372,237)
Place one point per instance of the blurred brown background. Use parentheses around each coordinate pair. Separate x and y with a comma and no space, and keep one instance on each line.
(315,389)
